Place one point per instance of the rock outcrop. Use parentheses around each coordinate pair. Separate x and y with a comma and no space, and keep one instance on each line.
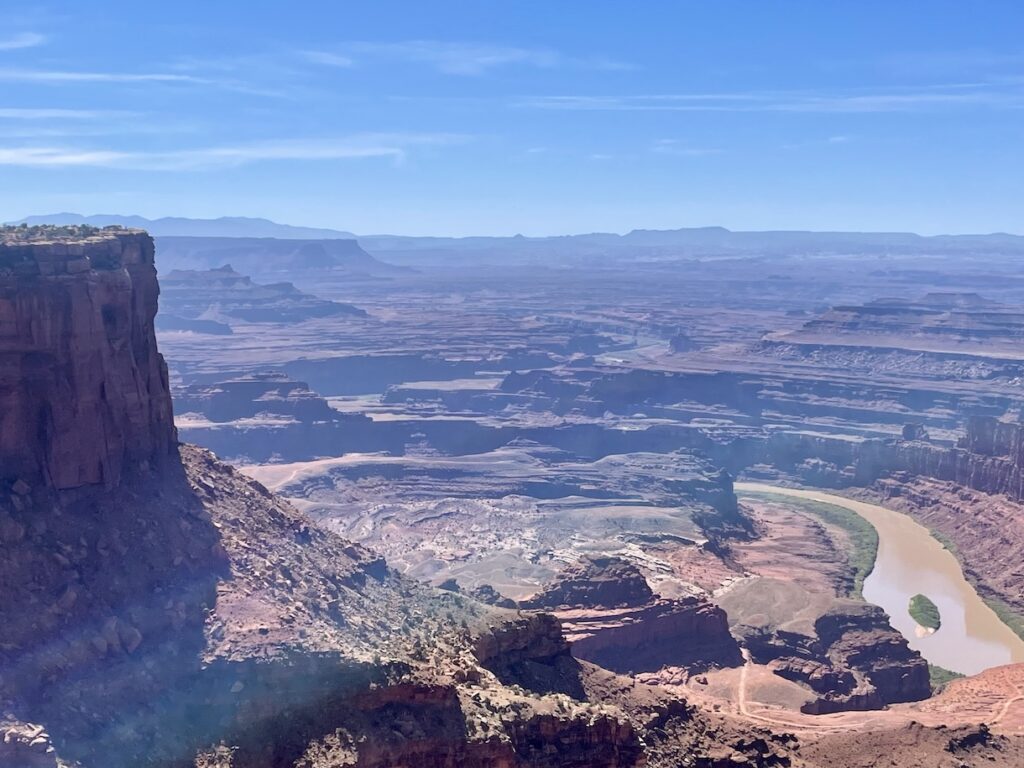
(614,619)
(83,391)
(264,416)
(854,661)
(595,582)
(274,395)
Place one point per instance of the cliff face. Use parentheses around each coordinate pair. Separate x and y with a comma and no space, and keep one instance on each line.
(989,458)
(83,391)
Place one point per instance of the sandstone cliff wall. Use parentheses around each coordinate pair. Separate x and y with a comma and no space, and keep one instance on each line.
(83,390)
(989,458)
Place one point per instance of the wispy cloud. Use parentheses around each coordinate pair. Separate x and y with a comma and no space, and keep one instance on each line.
(829,141)
(389,146)
(327,58)
(60,76)
(458,58)
(19,113)
(22,40)
(950,96)
(50,156)
(951,63)
(73,77)
(682,149)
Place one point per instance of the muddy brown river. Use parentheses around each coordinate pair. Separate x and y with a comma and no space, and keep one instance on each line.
(911,561)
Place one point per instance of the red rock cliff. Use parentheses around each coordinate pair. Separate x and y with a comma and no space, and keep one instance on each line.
(83,390)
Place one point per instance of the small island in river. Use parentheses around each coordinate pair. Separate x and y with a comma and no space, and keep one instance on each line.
(925,612)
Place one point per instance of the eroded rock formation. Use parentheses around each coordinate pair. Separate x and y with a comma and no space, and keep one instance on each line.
(208,301)
(614,619)
(854,660)
(83,390)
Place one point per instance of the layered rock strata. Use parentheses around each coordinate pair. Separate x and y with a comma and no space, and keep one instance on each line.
(83,390)
(614,619)
(208,301)
(853,661)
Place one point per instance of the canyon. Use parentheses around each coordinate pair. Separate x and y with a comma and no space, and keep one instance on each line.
(485,516)
(505,398)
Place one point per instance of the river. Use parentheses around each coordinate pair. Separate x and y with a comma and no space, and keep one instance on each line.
(911,561)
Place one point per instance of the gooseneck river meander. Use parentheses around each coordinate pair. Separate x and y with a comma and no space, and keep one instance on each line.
(911,561)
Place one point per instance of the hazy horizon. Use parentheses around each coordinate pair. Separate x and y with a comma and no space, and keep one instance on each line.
(510,234)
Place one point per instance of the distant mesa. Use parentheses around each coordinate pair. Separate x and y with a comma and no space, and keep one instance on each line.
(269,393)
(205,301)
(257,416)
(936,321)
(697,243)
(270,256)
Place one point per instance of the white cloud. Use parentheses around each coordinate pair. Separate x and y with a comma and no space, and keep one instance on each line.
(22,40)
(458,58)
(676,147)
(948,96)
(390,146)
(327,58)
(17,113)
(71,77)
(53,157)
(57,76)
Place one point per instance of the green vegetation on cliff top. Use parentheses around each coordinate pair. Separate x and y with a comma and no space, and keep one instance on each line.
(22,233)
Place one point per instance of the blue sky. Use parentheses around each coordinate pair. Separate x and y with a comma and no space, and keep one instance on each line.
(533,117)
